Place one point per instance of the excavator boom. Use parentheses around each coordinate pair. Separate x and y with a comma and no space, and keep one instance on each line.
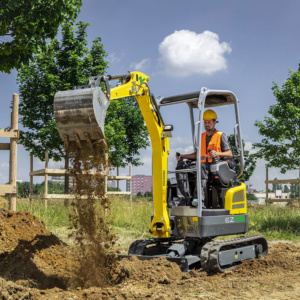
(80,116)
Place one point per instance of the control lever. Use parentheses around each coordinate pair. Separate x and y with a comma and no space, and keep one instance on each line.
(215,160)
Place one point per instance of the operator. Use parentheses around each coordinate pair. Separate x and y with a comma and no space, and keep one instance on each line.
(211,139)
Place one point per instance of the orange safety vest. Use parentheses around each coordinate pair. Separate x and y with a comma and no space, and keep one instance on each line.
(214,144)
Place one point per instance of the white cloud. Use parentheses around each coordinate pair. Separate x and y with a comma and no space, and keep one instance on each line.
(185,52)
(249,147)
(113,58)
(51,164)
(143,64)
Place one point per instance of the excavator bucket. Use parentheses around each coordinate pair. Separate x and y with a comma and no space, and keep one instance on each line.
(80,114)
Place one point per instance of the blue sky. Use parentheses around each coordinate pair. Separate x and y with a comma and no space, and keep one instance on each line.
(238,45)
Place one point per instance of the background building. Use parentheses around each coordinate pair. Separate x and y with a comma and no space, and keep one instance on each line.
(140,183)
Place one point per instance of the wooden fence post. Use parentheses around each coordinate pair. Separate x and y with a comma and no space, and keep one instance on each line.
(46,179)
(13,153)
(267,189)
(130,185)
(118,173)
(31,176)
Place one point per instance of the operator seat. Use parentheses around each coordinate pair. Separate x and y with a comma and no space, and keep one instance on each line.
(223,172)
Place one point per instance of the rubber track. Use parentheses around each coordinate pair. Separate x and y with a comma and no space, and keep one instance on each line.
(138,246)
(210,251)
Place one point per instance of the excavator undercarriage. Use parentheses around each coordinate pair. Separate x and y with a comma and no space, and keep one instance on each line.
(213,256)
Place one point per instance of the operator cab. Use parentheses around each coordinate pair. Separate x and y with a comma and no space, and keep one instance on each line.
(221,174)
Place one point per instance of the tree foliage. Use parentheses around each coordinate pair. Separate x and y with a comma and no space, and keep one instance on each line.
(39,188)
(61,66)
(294,191)
(276,186)
(26,25)
(251,196)
(148,194)
(250,160)
(125,132)
(281,129)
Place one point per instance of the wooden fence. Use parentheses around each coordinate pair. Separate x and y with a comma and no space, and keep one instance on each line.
(10,189)
(280,181)
(46,172)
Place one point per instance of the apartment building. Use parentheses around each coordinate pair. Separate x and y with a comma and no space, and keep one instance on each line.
(140,183)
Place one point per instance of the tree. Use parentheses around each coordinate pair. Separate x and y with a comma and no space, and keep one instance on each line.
(125,132)
(113,189)
(139,195)
(53,188)
(23,189)
(61,66)
(286,189)
(250,160)
(26,25)
(294,191)
(281,130)
(148,194)
(251,196)
(276,186)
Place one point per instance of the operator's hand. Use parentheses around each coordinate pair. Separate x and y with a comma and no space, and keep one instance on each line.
(213,153)
(179,158)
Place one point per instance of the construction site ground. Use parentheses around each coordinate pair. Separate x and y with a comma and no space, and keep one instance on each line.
(35,264)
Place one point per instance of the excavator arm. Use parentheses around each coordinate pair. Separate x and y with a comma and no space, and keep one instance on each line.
(137,86)
(80,115)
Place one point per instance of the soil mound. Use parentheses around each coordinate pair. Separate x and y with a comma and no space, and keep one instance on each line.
(154,271)
(30,254)
(274,262)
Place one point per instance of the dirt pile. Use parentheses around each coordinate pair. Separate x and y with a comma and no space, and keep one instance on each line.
(146,271)
(32,255)
(268,278)
(34,264)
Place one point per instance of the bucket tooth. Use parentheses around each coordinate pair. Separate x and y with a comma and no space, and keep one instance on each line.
(88,139)
(103,141)
(66,142)
(77,140)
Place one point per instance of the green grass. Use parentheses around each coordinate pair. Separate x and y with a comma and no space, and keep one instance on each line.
(275,222)
(55,217)
(132,221)
(134,218)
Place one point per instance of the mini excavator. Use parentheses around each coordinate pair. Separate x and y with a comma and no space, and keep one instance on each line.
(183,233)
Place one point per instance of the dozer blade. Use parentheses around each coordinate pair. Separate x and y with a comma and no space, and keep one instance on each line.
(80,114)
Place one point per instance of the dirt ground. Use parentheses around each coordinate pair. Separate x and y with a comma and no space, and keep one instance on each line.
(35,264)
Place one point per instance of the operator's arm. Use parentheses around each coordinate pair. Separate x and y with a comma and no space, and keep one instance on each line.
(187,156)
(225,147)
(226,153)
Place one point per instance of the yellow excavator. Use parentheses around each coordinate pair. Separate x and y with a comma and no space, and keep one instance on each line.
(183,233)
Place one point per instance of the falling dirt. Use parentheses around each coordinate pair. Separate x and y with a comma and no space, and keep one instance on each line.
(89,215)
